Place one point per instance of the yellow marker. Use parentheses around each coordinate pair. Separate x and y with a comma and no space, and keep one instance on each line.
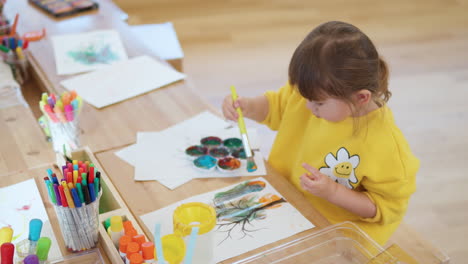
(19,52)
(75,162)
(70,202)
(75,176)
(6,234)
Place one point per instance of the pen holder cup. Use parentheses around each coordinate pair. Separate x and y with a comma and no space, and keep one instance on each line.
(79,226)
(199,215)
(64,131)
(19,67)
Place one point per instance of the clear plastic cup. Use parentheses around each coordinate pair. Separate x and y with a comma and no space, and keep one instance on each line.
(64,131)
(200,215)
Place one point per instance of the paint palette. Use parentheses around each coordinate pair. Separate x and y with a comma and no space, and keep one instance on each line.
(225,155)
(61,8)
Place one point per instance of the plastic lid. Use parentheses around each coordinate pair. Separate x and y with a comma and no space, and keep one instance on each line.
(35,228)
(116,223)
(43,247)
(6,234)
(123,243)
(189,215)
(140,239)
(31,259)
(148,250)
(7,251)
(136,258)
(133,247)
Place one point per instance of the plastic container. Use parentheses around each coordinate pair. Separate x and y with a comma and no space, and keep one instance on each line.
(202,215)
(342,243)
(64,131)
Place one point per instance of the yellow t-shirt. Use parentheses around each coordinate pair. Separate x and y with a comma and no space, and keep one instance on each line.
(368,154)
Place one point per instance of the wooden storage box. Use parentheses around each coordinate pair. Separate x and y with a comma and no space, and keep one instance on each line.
(111,204)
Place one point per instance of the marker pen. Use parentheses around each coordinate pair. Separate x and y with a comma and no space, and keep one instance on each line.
(123,244)
(31,259)
(43,247)
(132,248)
(6,234)
(148,252)
(7,250)
(35,228)
(115,230)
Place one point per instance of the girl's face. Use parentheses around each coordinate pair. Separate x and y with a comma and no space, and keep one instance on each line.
(330,109)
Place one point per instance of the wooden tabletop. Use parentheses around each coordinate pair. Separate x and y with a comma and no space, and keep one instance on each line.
(115,125)
(107,130)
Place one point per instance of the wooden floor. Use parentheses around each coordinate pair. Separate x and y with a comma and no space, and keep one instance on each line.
(248,43)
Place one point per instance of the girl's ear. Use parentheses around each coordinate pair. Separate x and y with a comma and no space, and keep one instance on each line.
(362,97)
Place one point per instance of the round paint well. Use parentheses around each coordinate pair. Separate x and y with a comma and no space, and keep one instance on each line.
(239,153)
(219,152)
(233,143)
(229,164)
(205,162)
(196,151)
(211,142)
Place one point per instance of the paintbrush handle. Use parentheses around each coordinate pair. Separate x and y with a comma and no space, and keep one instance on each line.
(240,120)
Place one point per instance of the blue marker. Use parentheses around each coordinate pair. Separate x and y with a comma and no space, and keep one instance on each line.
(50,172)
(92,192)
(35,228)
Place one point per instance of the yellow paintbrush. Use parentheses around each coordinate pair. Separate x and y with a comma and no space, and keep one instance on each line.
(251,166)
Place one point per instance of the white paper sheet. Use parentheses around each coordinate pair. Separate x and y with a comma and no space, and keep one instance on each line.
(122,80)
(279,223)
(75,53)
(21,202)
(160,38)
(166,156)
(204,121)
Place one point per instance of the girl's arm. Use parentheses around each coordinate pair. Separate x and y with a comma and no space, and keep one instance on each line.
(321,185)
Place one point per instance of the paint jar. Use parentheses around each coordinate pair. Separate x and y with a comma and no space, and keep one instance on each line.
(228,164)
(211,142)
(196,151)
(64,131)
(79,225)
(205,163)
(232,143)
(239,154)
(199,215)
(173,247)
(219,152)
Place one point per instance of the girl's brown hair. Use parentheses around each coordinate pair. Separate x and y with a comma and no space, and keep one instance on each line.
(336,60)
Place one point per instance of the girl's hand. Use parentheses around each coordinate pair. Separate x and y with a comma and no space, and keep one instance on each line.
(318,183)
(229,107)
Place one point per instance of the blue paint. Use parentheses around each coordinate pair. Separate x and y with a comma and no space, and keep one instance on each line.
(205,162)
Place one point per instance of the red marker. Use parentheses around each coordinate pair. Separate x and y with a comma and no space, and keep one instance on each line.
(63,198)
(7,251)
(91,175)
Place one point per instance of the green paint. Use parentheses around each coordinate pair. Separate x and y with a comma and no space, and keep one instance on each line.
(233,143)
(196,151)
(219,152)
(211,141)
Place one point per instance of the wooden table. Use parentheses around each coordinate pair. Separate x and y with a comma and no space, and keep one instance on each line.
(109,129)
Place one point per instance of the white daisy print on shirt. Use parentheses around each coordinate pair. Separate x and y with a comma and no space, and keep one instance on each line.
(341,168)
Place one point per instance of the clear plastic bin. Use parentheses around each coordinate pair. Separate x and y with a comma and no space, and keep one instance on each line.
(342,243)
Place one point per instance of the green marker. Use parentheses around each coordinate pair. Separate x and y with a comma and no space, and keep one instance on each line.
(80,192)
(43,247)
(4,49)
(107,223)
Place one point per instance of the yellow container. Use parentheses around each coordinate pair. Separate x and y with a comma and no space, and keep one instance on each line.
(199,215)
(173,248)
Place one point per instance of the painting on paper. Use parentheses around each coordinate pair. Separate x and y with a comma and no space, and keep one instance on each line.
(75,53)
(21,202)
(249,214)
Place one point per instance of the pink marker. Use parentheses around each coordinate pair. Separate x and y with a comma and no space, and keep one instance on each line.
(69,112)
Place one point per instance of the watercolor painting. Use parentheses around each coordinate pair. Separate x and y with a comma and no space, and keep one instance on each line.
(93,54)
(250,214)
(21,202)
(84,52)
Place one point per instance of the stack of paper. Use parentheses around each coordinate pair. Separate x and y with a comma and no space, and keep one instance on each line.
(161,155)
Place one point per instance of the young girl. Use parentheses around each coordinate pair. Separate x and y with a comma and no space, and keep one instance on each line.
(337,141)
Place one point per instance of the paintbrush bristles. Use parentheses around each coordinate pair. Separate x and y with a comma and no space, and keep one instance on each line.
(251,166)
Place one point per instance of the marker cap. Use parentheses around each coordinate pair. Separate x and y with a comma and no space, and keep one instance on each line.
(31,259)
(116,223)
(35,228)
(136,258)
(6,234)
(148,250)
(132,247)
(7,250)
(140,239)
(123,243)
(43,247)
